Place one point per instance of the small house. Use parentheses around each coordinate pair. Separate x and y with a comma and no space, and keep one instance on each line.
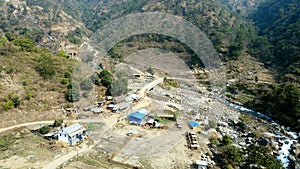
(96,110)
(119,99)
(201,164)
(89,108)
(72,134)
(132,97)
(124,106)
(110,106)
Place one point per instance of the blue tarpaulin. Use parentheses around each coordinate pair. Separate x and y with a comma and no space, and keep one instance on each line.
(193,124)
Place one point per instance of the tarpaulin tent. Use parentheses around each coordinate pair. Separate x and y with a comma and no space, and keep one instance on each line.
(193,124)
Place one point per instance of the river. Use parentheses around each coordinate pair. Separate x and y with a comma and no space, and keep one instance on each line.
(287,140)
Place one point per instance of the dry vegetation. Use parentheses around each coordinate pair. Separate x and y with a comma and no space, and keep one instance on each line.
(39,97)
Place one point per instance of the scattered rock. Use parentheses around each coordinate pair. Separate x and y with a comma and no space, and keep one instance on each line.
(242,144)
(268,135)
(263,142)
(224,124)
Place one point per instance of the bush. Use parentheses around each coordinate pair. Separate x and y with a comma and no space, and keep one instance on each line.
(95,79)
(5,142)
(62,53)
(242,125)
(73,86)
(67,74)
(44,129)
(260,156)
(85,94)
(46,67)
(8,105)
(86,84)
(226,140)
(25,43)
(64,81)
(73,95)
(16,101)
(58,122)
(118,87)
(231,156)
(106,78)
(12,102)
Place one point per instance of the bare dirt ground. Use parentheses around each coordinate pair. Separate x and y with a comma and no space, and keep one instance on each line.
(23,149)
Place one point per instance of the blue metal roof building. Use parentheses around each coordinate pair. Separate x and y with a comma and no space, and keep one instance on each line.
(138,116)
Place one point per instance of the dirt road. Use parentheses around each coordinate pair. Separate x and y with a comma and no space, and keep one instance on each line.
(148,86)
(47,122)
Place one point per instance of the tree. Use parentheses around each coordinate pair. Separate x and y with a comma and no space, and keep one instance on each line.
(231,156)
(119,87)
(73,95)
(13,101)
(8,105)
(105,77)
(25,43)
(226,140)
(95,79)
(260,156)
(67,74)
(44,129)
(46,67)
(86,84)
(16,101)
(58,122)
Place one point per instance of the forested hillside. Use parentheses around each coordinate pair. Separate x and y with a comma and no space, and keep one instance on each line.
(278,25)
(278,47)
(250,36)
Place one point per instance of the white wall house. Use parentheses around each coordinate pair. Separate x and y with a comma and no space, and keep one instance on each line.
(72,134)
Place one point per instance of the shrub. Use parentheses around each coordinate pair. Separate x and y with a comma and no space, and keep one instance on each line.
(46,67)
(86,84)
(8,105)
(58,122)
(67,74)
(44,129)
(119,87)
(106,78)
(95,79)
(73,85)
(226,140)
(13,101)
(62,53)
(16,101)
(64,81)
(85,94)
(73,95)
